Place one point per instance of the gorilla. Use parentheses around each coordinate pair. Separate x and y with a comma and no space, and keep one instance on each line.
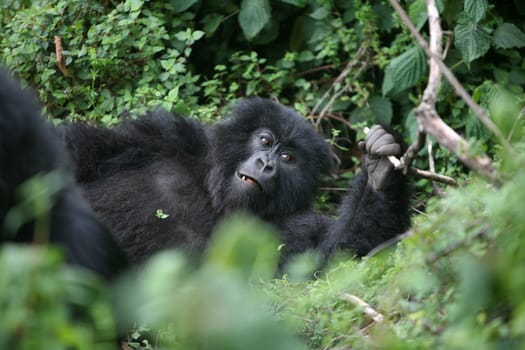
(264,159)
(31,149)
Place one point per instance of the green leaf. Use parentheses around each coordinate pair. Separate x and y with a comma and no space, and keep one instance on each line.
(476,9)
(404,71)
(418,13)
(472,39)
(298,3)
(245,245)
(196,35)
(507,36)
(135,5)
(381,108)
(182,5)
(253,16)
(211,23)
(319,13)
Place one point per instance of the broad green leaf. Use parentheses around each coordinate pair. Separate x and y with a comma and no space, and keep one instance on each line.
(505,109)
(298,3)
(254,14)
(404,71)
(507,36)
(135,5)
(211,23)
(182,5)
(472,39)
(319,13)
(418,13)
(476,9)
(381,108)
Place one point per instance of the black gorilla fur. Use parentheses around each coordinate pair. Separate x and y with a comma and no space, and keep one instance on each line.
(29,147)
(265,159)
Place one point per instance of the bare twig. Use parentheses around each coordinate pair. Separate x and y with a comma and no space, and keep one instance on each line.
(344,73)
(414,148)
(60,58)
(428,119)
(435,188)
(446,72)
(422,174)
(430,175)
(367,309)
(399,164)
(390,243)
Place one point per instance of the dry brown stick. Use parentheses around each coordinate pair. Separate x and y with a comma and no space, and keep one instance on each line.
(430,175)
(399,164)
(458,88)
(427,117)
(59,53)
(367,309)
(339,93)
(362,50)
(422,174)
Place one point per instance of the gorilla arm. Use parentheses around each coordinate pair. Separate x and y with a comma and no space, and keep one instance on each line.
(377,206)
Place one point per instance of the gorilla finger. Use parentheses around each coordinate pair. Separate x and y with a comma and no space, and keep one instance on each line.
(372,138)
(384,139)
(362,146)
(391,149)
(374,131)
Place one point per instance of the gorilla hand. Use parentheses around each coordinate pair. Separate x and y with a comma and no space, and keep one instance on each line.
(378,145)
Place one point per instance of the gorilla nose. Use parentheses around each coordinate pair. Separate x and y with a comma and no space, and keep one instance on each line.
(266,166)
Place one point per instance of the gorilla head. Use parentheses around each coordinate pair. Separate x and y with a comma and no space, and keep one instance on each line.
(265,158)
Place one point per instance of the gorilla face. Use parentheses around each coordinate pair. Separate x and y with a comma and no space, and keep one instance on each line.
(267,159)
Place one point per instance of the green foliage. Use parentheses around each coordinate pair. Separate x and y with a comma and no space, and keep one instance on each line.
(472,38)
(46,305)
(253,16)
(34,200)
(405,71)
(212,307)
(118,58)
(508,36)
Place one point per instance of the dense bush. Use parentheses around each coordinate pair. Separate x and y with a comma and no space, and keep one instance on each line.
(456,283)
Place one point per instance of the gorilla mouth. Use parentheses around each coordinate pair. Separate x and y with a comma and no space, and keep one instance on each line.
(250,180)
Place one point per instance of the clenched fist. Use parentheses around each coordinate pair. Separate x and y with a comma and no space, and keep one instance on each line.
(378,145)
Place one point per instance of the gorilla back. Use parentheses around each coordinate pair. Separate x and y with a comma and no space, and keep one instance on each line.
(264,158)
(30,147)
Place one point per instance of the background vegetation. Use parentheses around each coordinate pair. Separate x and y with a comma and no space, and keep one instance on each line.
(457,282)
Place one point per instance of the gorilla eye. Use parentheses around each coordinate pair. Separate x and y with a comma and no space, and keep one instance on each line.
(287,157)
(265,140)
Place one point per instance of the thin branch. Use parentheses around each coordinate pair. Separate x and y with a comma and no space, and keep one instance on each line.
(344,73)
(458,88)
(59,53)
(414,148)
(389,243)
(400,164)
(367,309)
(428,119)
(316,69)
(433,176)
(435,188)
(422,174)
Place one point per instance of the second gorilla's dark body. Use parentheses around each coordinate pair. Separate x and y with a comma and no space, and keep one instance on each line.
(265,159)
